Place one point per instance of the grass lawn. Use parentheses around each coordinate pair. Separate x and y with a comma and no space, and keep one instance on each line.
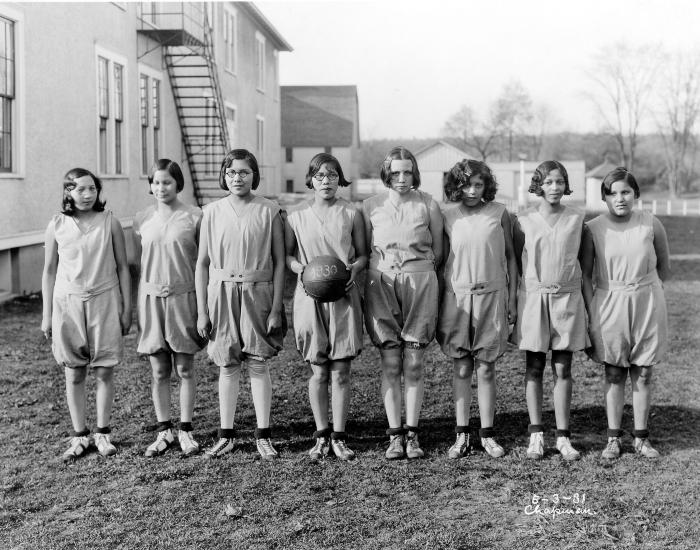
(129,501)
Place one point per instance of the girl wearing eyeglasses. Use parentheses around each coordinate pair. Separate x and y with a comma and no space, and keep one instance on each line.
(328,335)
(404,234)
(239,280)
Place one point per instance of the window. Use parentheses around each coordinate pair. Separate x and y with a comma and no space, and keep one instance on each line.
(230,115)
(110,113)
(260,61)
(260,139)
(230,40)
(150,117)
(289,154)
(290,186)
(7,92)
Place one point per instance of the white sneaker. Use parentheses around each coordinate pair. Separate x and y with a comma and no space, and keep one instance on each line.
(221,447)
(643,447)
(188,444)
(320,450)
(535,450)
(566,449)
(413,449)
(341,450)
(78,446)
(460,447)
(266,450)
(491,447)
(162,443)
(395,449)
(104,445)
(612,449)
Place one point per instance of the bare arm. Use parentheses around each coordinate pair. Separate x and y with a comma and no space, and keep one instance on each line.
(368,230)
(290,244)
(138,249)
(360,244)
(512,266)
(663,267)
(437,226)
(518,244)
(119,247)
(587,260)
(48,278)
(274,319)
(201,283)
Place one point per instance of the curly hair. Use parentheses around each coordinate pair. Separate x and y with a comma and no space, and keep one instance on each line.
(399,153)
(68,204)
(619,174)
(460,175)
(318,161)
(239,154)
(541,173)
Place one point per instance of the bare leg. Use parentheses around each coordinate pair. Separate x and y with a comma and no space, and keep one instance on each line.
(614,394)
(261,388)
(563,385)
(462,388)
(534,368)
(414,382)
(641,395)
(486,376)
(341,391)
(105,395)
(229,386)
(161,366)
(75,396)
(184,362)
(392,365)
(318,394)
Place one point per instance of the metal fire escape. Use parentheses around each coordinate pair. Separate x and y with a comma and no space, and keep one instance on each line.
(183,31)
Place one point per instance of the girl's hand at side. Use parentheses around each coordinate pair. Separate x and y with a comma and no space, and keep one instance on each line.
(203,326)
(355,269)
(46,328)
(274,321)
(125,321)
(512,311)
(297,267)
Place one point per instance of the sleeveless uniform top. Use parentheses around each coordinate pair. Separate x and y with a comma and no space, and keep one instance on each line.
(169,247)
(550,255)
(401,238)
(86,264)
(327,235)
(477,240)
(240,243)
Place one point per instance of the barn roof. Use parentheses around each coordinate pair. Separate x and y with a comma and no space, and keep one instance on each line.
(319,116)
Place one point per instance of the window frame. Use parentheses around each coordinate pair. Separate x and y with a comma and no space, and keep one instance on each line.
(230,31)
(260,61)
(17,108)
(153,135)
(107,168)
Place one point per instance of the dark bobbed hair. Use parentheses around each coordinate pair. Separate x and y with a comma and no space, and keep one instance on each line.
(318,161)
(239,154)
(68,204)
(399,153)
(172,168)
(541,173)
(618,174)
(460,175)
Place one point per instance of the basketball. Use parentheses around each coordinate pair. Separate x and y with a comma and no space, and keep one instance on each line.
(324,279)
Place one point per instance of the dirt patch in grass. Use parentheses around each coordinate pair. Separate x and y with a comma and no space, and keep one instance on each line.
(129,501)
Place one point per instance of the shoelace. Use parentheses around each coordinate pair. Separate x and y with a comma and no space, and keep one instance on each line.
(266,446)
(461,441)
(342,446)
(490,444)
(219,445)
(412,442)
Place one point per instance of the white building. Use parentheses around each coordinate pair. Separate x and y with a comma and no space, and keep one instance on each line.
(111,87)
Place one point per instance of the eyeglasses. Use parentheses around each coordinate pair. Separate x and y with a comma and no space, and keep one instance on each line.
(395,175)
(243,174)
(332,177)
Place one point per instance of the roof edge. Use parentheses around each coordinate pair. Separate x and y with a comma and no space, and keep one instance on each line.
(264,22)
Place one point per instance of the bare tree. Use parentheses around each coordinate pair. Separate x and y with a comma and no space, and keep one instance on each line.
(540,126)
(479,136)
(625,78)
(680,100)
(512,113)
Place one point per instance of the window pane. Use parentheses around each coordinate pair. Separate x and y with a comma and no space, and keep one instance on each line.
(118,92)
(156,103)
(118,147)
(103,86)
(5,134)
(144,100)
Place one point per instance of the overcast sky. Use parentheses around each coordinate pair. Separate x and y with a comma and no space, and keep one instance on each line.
(415,63)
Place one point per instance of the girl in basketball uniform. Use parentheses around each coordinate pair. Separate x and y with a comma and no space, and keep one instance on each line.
(328,335)
(240,283)
(479,298)
(165,239)
(551,311)
(404,233)
(629,252)
(86,289)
